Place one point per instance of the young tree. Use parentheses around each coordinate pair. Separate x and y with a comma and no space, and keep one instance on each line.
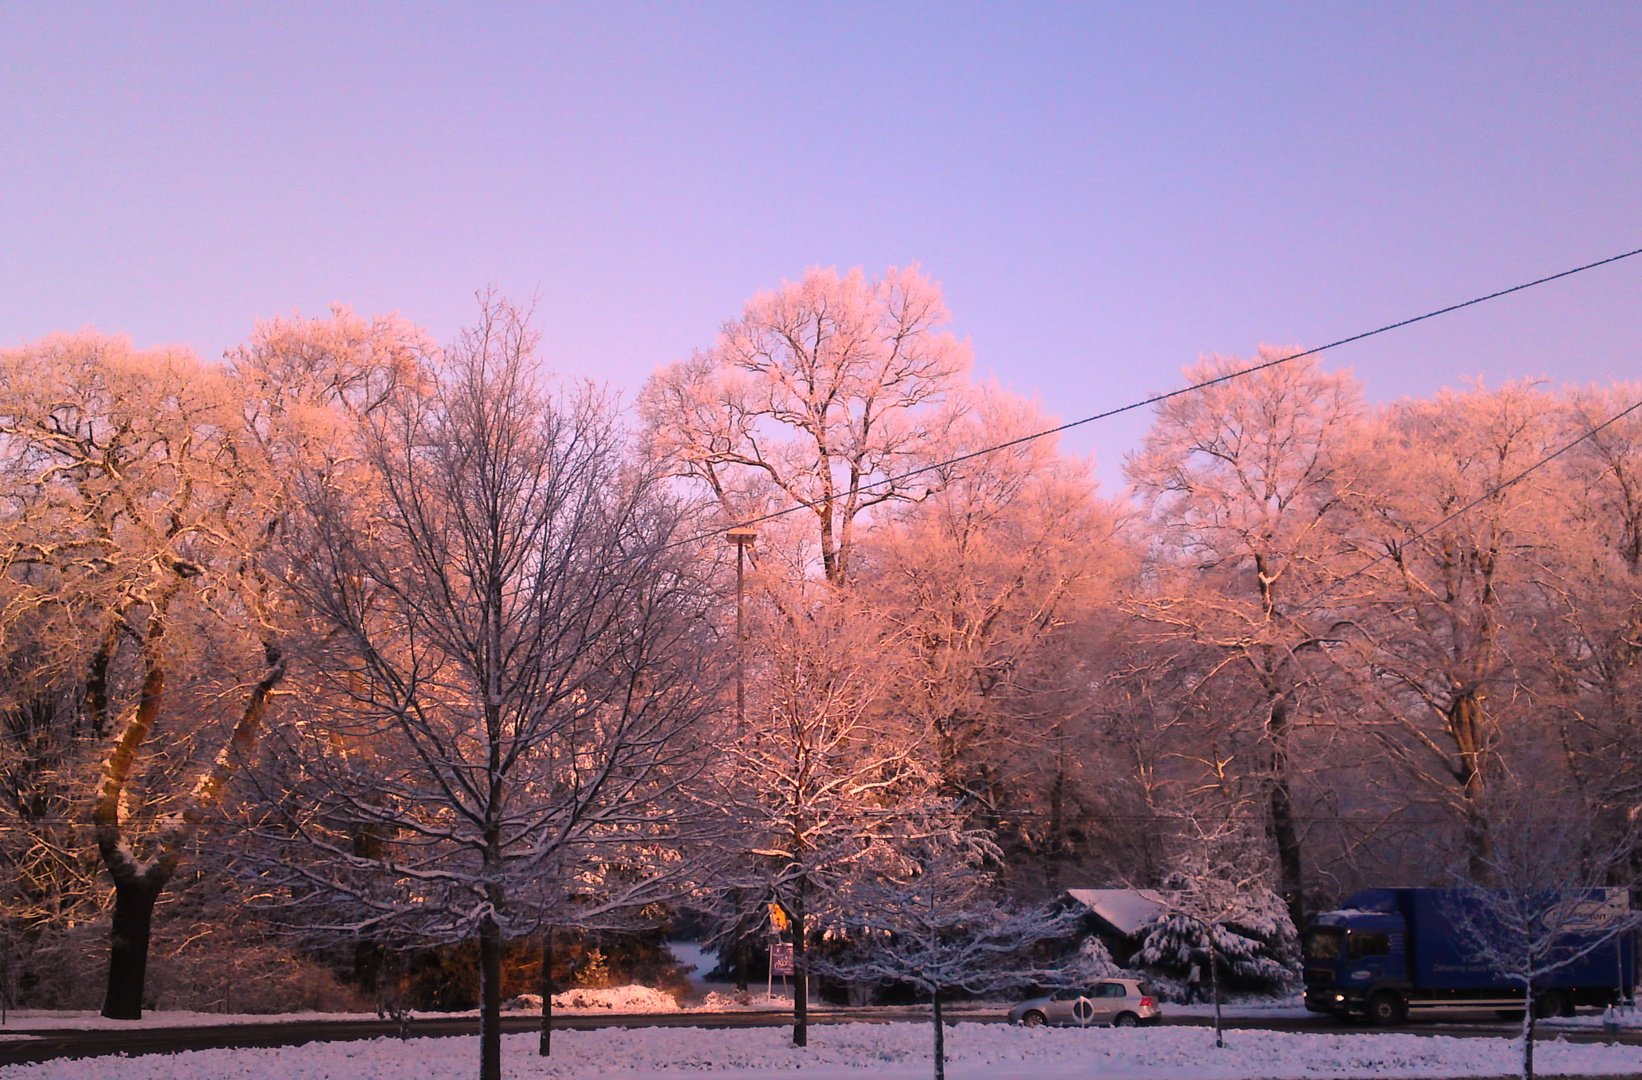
(509,634)
(819,774)
(820,394)
(1556,904)
(923,911)
(1222,910)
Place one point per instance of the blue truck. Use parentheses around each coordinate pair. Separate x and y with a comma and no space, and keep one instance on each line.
(1389,953)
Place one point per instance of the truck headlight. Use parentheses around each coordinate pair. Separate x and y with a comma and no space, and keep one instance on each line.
(1339,997)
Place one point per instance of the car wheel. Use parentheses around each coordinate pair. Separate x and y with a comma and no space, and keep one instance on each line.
(1126,1019)
(1034,1019)
(1384,1009)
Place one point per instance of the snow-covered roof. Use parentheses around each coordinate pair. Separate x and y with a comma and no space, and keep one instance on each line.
(1126,909)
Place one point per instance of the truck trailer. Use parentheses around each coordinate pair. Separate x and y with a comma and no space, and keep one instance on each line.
(1390,953)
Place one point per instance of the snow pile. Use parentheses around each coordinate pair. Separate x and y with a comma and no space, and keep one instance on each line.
(617,999)
(745,1001)
(872,1052)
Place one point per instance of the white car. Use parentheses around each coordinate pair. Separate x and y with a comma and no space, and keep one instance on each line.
(1119,1002)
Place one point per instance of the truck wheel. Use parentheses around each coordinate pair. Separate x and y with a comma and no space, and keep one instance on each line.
(1384,1008)
(1553,1003)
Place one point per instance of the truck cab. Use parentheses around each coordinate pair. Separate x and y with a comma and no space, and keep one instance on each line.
(1352,955)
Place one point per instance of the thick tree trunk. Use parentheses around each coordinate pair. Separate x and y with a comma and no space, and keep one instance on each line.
(134,897)
(800,979)
(940,1036)
(1285,835)
(1465,726)
(545,1045)
(743,960)
(490,1000)
(367,966)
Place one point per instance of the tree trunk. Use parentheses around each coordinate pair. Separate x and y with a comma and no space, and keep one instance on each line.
(740,955)
(1056,840)
(134,897)
(490,1000)
(1528,1034)
(1214,988)
(1465,725)
(1284,834)
(940,1036)
(545,1046)
(800,979)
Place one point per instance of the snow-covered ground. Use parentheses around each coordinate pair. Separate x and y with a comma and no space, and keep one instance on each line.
(872,1052)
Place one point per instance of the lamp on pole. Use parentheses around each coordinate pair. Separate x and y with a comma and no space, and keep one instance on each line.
(741,537)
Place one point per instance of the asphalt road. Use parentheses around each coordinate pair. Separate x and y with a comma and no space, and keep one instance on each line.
(52,1044)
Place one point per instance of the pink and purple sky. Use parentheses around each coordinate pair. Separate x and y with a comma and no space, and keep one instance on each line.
(1105,191)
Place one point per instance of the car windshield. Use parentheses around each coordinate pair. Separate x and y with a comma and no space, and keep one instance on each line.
(1323,943)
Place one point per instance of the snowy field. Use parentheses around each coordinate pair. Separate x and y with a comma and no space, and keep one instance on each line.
(871,1052)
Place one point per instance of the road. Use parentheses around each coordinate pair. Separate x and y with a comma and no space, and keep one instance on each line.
(60,1043)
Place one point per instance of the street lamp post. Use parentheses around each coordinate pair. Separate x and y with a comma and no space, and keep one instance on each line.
(741,537)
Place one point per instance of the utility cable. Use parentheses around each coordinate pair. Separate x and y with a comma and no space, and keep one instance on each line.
(1156,398)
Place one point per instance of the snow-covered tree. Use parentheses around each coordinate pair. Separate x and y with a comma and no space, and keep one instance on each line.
(923,910)
(993,589)
(1242,480)
(821,394)
(820,773)
(1222,912)
(1563,893)
(1451,553)
(513,674)
(136,504)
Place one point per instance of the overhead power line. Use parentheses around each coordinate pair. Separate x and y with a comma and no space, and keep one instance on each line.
(1156,398)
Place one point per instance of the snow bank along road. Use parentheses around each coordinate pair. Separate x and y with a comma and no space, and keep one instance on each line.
(893,1051)
(76,1036)
(710,1038)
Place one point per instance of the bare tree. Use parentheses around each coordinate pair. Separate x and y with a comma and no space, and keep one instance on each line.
(994,588)
(1450,549)
(510,637)
(820,773)
(821,393)
(1557,909)
(924,912)
(1243,479)
(1589,680)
